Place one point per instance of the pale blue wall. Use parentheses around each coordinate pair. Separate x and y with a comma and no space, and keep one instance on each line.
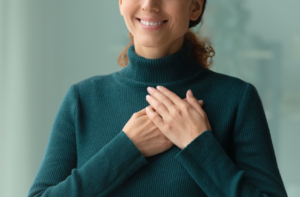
(48,45)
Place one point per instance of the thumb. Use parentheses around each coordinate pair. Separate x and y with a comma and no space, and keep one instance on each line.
(140,113)
(194,102)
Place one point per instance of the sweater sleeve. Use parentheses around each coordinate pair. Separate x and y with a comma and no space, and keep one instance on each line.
(106,170)
(253,169)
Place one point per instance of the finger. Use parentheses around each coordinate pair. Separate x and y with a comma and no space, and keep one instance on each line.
(154,116)
(195,103)
(176,100)
(161,98)
(140,113)
(160,108)
(200,101)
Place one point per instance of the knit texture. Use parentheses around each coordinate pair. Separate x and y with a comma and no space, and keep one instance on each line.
(89,155)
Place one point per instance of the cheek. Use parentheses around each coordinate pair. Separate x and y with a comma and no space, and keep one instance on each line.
(179,26)
(179,15)
(129,9)
(130,21)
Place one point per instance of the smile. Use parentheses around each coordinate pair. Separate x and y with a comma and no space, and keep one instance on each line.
(151,25)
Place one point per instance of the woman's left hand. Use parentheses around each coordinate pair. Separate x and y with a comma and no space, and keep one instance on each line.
(181,122)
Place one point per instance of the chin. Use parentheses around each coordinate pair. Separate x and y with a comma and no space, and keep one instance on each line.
(151,43)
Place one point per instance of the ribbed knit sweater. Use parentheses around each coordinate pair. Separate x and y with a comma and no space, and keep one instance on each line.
(89,155)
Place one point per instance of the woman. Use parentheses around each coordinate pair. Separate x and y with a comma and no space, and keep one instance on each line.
(105,143)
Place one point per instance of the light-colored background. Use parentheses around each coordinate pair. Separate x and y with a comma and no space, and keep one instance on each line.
(48,45)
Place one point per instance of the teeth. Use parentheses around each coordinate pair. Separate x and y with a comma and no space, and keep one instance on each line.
(151,23)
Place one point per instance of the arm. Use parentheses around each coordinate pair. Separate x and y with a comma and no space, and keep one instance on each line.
(253,170)
(106,170)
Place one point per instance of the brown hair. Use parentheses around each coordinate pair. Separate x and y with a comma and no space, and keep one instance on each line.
(200,52)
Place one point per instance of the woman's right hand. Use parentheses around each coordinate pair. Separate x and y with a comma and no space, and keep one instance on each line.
(145,134)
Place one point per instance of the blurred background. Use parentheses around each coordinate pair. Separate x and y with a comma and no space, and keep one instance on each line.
(46,46)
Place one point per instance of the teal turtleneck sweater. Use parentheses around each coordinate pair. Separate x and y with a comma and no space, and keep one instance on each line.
(89,155)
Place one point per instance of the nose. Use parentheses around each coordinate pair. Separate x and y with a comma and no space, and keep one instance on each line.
(150,5)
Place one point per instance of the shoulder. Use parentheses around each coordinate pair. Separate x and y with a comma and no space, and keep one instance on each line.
(229,86)
(233,93)
(226,80)
(89,88)
(92,83)
(232,89)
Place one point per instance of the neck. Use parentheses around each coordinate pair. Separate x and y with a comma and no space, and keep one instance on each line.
(174,67)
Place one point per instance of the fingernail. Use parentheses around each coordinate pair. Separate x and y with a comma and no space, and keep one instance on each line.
(190,93)
(150,89)
(159,87)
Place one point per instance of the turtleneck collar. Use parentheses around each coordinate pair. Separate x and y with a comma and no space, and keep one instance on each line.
(174,67)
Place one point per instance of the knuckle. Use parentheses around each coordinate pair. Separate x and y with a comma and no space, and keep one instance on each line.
(175,110)
(185,106)
(168,127)
(156,118)
(154,92)
(159,105)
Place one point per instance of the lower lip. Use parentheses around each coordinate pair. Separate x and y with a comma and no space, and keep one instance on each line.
(147,27)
